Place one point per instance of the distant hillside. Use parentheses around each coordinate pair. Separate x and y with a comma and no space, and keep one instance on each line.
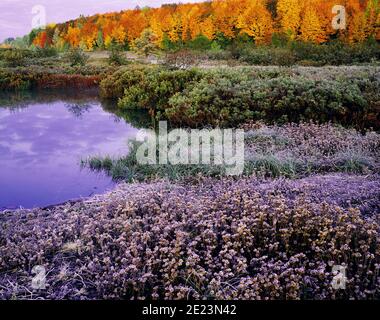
(217,21)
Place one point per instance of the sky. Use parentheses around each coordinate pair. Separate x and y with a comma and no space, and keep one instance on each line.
(16,16)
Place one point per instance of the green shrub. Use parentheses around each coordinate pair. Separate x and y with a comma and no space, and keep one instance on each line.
(41,76)
(116,56)
(14,57)
(113,86)
(221,100)
(146,43)
(284,53)
(77,57)
(267,56)
(201,42)
(228,97)
(14,81)
(152,88)
(336,53)
(45,52)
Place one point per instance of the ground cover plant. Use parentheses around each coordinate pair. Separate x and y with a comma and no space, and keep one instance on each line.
(244,239)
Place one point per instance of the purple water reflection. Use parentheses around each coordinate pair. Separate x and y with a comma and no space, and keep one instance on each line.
(41,146)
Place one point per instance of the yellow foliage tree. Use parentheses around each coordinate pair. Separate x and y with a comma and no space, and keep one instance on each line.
(311,29)
(256,21)
(307,20)
(208,28)
(372,13)
(289,15)
(356,22)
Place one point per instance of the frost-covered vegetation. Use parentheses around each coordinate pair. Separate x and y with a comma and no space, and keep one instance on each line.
(292,150)
(244,239)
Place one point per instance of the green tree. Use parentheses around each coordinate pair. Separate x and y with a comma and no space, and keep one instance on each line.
(146,43)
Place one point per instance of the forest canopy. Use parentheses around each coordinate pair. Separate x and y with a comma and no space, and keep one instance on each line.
(217,21)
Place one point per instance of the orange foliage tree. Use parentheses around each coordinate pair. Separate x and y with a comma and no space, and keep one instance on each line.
(40,39)
(73,36)
(306,20)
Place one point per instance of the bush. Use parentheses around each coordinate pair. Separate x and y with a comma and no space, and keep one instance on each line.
(14,81)
(153,88)
(296,52)
(229,97)
(145,87)
(45,52)
(113,86)
(336,53)
(201,42)
(267,56)
(77,57)
(14,57)
(61,76)
(220,99)
(116,56)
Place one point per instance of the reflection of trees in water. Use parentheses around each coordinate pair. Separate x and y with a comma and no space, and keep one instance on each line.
(136,118)
(26,98)
(78,110)
(78,102)
(15,100)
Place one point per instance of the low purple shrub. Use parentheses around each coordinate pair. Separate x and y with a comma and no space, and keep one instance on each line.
(228,239)
(314,148)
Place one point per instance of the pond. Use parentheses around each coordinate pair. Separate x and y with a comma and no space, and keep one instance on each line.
(43,138)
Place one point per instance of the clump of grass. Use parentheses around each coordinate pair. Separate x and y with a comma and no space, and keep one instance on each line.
(128,169)
(293,150)
(269,165)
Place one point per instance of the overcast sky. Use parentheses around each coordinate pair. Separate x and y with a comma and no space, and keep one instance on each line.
(16,15)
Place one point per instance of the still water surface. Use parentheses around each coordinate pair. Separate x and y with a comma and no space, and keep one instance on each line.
(44,136)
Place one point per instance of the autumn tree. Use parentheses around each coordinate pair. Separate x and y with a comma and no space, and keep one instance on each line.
(89,35)
(73,36)
(256,21)
(372,16)
(226,13)
(306,20)
(289,15)
(134,22)
(311,29)
(40,40)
